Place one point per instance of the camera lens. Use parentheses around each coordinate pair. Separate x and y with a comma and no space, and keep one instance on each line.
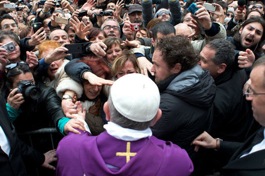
(32,92)
(11,48)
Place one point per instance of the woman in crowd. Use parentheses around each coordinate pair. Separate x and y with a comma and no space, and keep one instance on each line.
(92,99)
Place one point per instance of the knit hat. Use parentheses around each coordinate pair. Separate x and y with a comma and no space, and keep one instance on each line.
(136,97)
(231,9)
(135,8)
(161,11)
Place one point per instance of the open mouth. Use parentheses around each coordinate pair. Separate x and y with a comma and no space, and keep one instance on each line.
(249,39)
(54,70)
(112,35)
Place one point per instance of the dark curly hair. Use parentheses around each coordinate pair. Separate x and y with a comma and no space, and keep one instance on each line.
(177,49)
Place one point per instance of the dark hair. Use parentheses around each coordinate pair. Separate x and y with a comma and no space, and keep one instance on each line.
(22,67)
(259,20)
(177,49)
(111,41)
(94,32)
(224,52)
(9,34)
(98,67)
(163,27)
(254,10)
(6,16)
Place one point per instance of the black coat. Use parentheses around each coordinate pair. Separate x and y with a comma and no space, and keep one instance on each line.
(231,112)
(41,113)
(13,165)
(186,101)
(250,165)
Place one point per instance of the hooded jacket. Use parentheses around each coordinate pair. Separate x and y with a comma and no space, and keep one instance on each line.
(186,101)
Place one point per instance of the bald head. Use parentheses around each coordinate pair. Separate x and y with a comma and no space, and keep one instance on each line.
(184,30)
(60,36)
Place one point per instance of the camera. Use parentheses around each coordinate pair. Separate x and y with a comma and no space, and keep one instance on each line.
(9,47)
(193,8)
(28,90)
(107,13)
(135,27)
(82,13)
(36,26)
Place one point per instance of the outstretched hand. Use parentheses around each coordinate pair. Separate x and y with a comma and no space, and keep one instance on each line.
(50,157)
(95,80)
(246,58)
(204,140)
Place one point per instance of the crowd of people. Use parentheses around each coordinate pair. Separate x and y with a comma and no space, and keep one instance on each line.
(152,87)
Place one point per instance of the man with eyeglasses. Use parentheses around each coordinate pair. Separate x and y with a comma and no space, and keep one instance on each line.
(248,157)
(257,6)
(111,28)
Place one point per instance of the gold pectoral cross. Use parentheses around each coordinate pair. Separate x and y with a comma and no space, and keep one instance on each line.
(128,153)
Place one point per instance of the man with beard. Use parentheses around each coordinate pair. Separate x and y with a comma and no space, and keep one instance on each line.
(111,28)
(250,36)
(186,90)
(135,13)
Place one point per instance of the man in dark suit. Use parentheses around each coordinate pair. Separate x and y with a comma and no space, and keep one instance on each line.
(13,151)
(247,158)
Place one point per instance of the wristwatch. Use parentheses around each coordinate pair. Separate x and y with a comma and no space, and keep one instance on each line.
(66,97)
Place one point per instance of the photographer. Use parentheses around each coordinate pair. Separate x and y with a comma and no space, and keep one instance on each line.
(13,150)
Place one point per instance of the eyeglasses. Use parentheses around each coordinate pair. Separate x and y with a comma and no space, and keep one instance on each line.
(14,65)
(108,27)
(249,92)
(230,15)
(257,7)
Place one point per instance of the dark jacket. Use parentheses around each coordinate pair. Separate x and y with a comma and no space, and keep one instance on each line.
(250,165)
(75,69)
(186,101)
(13,165)
(231,112)
(41,113)
(255,49)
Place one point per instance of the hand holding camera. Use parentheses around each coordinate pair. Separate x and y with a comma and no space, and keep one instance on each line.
(201,15)
(15,99)
(48,4)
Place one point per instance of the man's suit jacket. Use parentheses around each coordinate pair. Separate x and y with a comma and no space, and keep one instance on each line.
(250,165)
(13,164)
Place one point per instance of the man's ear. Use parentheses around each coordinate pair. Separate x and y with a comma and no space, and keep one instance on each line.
(221,68)
(153,41)
(157,117)
(107,111)
(176,68)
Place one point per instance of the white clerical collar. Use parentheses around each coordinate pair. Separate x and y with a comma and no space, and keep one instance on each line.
(126,134)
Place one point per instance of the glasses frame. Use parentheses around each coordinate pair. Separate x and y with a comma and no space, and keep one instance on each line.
(250,92)
(109,27)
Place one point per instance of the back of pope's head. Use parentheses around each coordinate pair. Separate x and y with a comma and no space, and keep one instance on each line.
(136,97)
